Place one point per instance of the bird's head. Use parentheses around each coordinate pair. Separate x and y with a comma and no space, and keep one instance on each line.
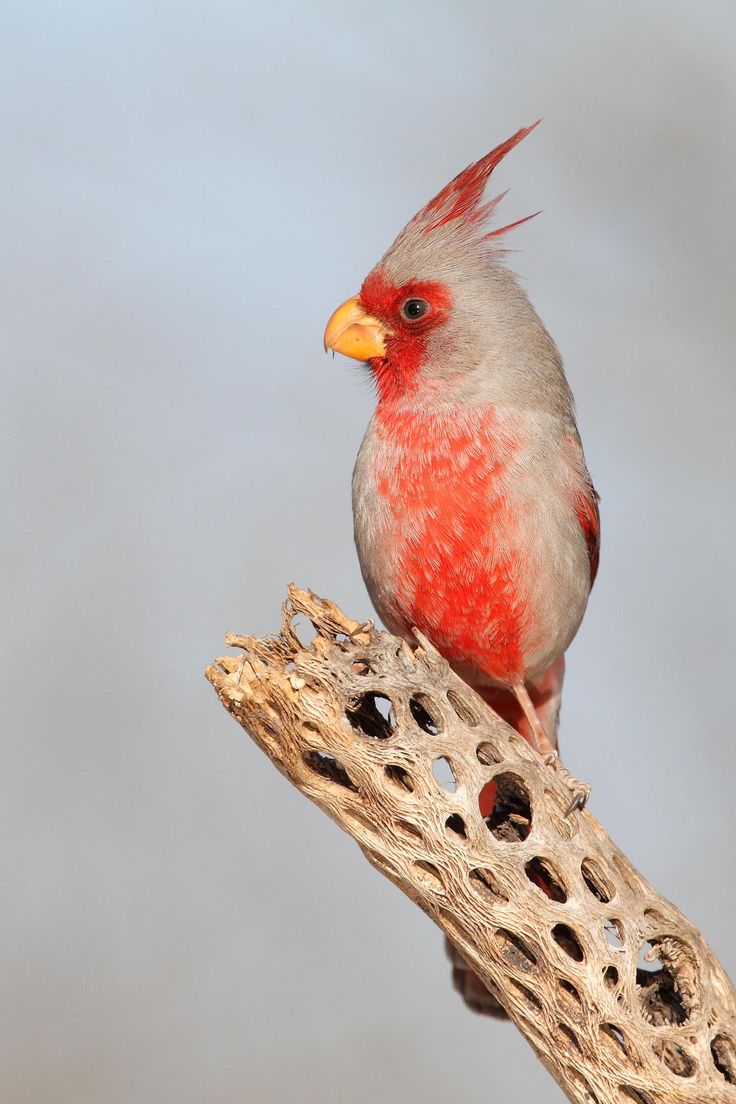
(439,311)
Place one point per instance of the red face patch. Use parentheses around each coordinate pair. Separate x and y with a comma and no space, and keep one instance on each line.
(394,306)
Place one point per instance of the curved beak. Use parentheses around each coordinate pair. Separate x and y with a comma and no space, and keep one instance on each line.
(355,333)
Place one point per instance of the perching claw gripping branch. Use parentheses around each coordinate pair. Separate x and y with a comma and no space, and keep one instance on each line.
(618,994)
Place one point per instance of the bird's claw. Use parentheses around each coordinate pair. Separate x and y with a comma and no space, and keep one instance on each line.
(580,790)
(581,793)
(366,626)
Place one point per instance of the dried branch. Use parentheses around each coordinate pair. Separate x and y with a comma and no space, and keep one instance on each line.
(614,989)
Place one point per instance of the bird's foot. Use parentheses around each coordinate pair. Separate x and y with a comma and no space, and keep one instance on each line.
(580,790)
(366,626)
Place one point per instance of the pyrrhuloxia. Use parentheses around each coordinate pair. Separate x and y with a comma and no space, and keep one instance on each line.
(475,517)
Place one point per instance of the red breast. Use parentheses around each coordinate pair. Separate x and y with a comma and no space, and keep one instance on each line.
(442,498)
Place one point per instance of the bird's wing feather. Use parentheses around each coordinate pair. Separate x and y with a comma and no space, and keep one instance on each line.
(586,505)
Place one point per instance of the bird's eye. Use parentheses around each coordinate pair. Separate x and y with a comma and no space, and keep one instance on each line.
(414,309)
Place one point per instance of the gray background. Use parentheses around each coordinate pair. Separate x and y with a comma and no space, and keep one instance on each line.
(187,192)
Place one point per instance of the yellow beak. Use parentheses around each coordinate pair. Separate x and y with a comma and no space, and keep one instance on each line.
(355,333)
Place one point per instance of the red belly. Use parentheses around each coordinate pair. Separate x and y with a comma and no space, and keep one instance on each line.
(474,617)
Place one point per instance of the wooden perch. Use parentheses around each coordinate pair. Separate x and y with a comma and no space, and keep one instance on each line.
(614,989)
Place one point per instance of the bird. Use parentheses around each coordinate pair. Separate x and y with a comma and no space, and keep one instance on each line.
(475,516)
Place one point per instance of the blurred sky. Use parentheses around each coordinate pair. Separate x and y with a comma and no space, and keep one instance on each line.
(188,190)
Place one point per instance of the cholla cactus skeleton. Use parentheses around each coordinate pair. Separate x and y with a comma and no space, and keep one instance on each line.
(614,989)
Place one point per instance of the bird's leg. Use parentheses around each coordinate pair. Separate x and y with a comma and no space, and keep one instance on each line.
(539,740)
(580,790)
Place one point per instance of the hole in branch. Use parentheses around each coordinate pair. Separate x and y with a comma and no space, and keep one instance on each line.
(510,819)
(610,976)
(616,1034)
(373,715)
(485,885)
(423,713)
(614,930)
(568,988)
(675,1058)
(462,708)
(400,776)
(303,630)
(566,938)
(663,998)
(488,755)
(723,1052)
(596,881)
(487,799)
(525,994)
(456,824)
(361,667)
(408,828)
(569,1035)
(518,953)
(648,961)
(656,918)
(328,767)
(444,775)
(542,874)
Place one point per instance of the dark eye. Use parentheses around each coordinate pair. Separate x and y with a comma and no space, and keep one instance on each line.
(414,309)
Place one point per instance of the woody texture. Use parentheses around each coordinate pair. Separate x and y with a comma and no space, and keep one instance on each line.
(616,992)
